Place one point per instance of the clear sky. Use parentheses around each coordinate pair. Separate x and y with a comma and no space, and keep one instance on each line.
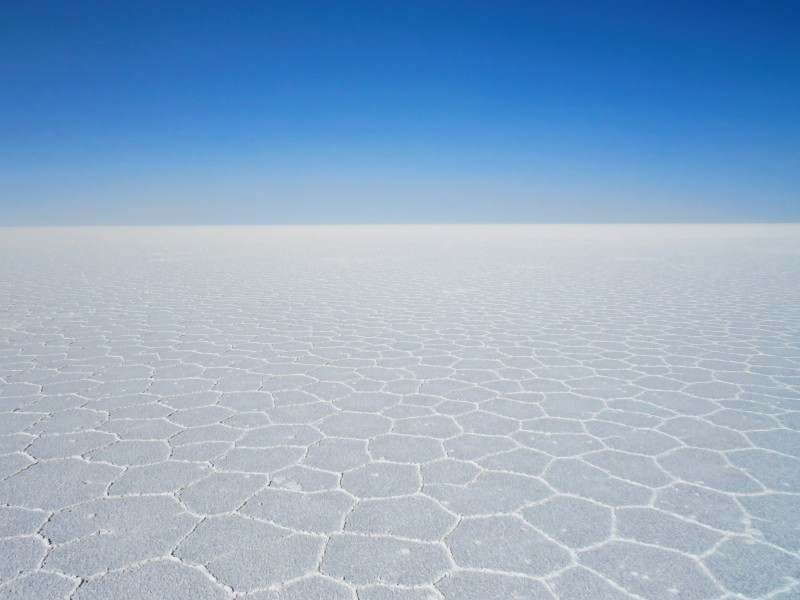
(220,112)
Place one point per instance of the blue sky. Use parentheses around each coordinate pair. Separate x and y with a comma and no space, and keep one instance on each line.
(398,112)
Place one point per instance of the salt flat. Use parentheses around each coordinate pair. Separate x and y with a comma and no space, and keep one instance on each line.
(400,412)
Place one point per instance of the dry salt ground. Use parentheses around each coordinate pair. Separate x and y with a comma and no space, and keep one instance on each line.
(400,412)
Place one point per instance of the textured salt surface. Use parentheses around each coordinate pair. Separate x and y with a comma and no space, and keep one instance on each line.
(400,412)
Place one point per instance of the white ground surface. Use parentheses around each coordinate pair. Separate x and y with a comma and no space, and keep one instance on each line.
(400,412)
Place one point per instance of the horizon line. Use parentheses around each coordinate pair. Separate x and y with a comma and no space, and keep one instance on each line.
(412,224)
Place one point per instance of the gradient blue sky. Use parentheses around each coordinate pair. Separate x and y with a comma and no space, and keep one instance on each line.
(398,112)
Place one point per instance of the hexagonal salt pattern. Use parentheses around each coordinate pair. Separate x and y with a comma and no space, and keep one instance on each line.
(385,413)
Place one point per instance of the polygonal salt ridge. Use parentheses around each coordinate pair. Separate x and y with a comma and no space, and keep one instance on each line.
(559,444)
(744,421)
(725,562)
(782,441)
(571,521)
(151,410)
(124,372)
(509,407)
(489,493)
(307,413)
(65,445)
(382,479)
(286,382)
(308,586)
(56,484)
(505,544)
(575,476)
(405,448)
(206,415)
(768,513)
(314,512)
(367,402)
(650,571)
(110,533)
(571,405)
(190,400)
(632,439)
(149,429)
(163,477)
(700,433)
(68,421)
(248,420)
(337,455)
(10,464)
(368,385)
(666,530)
(248,555)
(357,425)
(435,426)
(124,400)
(423,400)
(449,471)
(17,521)
(259,460)
(279,435)
(369,560)
(397,592)
(247,401)
(220,493)
(407,411)
(486,423)
(708,468)
(416,517)
(576,583)
(47,403)
(471,446)
(158,578)
(204,434)
(474,585)
(40,584)
(244,382)
(126,453)
(632,418)
(636,468)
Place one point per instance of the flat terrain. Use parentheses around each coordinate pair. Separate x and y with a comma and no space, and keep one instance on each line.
(400,412)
